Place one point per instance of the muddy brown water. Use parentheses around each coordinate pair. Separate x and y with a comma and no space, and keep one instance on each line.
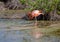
(22,35)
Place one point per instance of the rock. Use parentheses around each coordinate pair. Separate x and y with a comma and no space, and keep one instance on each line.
(2,6)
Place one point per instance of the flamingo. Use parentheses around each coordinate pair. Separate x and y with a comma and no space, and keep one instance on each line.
(34,13)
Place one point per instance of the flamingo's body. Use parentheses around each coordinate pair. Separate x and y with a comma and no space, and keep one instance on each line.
(34,13)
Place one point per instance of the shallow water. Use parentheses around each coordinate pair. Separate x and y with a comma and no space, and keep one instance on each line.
(23,35)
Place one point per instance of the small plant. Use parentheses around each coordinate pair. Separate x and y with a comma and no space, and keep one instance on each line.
(22,1)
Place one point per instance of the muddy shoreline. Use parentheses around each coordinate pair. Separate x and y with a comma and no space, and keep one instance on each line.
(18,14)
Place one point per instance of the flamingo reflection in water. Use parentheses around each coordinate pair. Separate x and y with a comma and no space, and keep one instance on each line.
(36,33)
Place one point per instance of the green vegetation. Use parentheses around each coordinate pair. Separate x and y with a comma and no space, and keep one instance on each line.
(22,2)
(46,5)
